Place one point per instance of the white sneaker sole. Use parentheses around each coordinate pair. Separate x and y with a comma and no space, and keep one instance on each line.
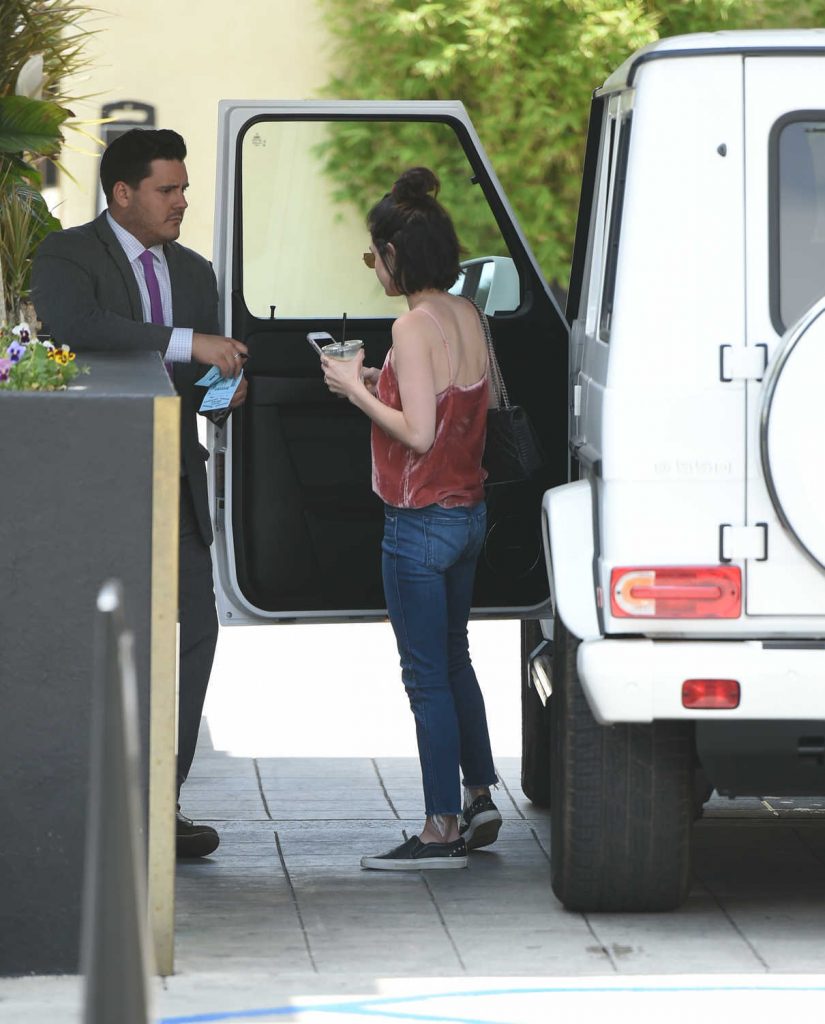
(483,830)
(423,864)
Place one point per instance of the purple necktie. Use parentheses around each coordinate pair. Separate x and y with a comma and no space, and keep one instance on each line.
(156,306)
(152,286)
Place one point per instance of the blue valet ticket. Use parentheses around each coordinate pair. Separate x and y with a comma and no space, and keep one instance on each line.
(219,389)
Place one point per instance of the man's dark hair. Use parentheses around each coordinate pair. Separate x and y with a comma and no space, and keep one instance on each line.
(411,219)
(127,158)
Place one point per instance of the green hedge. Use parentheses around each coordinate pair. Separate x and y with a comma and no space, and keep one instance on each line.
(525,70)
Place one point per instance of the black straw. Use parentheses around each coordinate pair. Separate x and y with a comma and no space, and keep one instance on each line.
(344,332)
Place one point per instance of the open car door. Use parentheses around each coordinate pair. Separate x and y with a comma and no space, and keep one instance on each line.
(297,526)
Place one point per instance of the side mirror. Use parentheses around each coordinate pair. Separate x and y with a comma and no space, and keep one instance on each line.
(492,282)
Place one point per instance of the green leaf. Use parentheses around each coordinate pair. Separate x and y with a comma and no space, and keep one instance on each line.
(31,126)
(15,170)
(25,221)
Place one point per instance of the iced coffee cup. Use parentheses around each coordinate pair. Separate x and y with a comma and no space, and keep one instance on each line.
(343,350)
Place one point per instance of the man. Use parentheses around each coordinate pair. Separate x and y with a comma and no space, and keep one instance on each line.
(122,283)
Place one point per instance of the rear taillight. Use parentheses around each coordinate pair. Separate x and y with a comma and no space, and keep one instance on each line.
(676,592)
(721,694)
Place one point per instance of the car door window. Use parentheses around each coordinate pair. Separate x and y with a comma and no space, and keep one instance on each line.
(303,219)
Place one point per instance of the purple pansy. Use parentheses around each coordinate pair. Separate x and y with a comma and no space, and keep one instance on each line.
(16,351)
(22,332)
(5,369)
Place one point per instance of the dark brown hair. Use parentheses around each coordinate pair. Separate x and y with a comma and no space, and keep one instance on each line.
(411,219)
(127,158)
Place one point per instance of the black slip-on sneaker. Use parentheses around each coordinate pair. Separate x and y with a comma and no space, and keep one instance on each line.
(480,823)
(416,856)
(192,840)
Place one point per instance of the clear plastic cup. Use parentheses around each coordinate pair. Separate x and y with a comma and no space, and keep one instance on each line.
(348,350)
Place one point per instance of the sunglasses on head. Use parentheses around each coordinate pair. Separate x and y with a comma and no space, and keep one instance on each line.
(369,259)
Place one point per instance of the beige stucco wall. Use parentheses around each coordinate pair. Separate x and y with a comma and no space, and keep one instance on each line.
(182,56)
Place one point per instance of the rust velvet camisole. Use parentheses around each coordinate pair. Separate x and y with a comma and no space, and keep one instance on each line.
(450,473)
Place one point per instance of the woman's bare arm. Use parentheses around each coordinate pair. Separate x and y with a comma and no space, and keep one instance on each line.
(413,424)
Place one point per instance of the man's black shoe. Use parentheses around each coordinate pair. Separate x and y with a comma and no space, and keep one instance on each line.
(193,840)
(480,822)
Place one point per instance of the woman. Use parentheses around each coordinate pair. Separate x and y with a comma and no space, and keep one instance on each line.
(428,406)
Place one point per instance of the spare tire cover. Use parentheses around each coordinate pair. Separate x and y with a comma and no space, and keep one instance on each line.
(792,432)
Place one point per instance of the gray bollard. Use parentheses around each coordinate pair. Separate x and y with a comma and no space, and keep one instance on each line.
(115,954)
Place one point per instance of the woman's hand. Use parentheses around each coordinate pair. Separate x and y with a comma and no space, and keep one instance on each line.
(343,376)
(370,375)
(414,423)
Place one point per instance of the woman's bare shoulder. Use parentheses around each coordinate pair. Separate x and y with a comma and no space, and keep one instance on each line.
(416,323)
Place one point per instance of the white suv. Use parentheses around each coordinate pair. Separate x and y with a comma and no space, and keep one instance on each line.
(686,560)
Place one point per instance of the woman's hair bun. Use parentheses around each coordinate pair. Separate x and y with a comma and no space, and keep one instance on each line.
(414,185)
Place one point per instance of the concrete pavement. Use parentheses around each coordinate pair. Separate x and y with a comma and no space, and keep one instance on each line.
(282,924)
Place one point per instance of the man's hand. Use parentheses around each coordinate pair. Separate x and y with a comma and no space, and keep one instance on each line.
(240,395)
(225,353)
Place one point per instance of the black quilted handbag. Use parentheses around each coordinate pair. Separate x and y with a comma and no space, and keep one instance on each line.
(512,452)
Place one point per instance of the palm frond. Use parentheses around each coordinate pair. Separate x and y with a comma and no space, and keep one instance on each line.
(57,29)
(31,126)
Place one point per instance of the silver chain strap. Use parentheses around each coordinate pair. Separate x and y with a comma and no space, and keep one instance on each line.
(499,387)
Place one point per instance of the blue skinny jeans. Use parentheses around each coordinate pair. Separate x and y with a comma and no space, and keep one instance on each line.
(429,558)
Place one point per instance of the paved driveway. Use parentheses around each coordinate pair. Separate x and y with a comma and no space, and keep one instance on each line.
(307,762)
(315,765)
(285,891)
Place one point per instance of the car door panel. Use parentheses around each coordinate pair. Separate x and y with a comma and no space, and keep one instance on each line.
(298,527)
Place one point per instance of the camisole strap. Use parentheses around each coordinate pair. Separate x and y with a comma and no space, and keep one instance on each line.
(444,339)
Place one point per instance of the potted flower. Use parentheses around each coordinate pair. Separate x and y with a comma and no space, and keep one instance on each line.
(29,364)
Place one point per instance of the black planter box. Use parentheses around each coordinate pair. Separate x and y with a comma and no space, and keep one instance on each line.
(80,491)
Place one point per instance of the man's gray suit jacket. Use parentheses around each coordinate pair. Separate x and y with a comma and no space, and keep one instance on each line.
(85,293)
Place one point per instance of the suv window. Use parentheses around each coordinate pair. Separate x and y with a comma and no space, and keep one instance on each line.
(303,231)
(616,200)
(797,163)
(601,262)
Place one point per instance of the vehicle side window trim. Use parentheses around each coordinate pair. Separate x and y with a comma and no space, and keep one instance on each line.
(586,215)
(594,261)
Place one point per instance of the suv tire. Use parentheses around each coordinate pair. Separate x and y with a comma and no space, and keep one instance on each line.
(622,802)
(535,724)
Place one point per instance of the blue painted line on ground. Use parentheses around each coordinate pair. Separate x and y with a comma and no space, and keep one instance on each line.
(377,1011)
(428,1019)
(371,1007)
